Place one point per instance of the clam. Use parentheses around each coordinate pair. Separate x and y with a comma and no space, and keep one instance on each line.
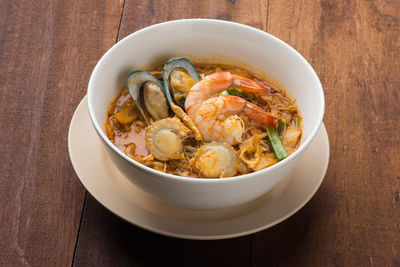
(148,94)
(164,138)
(216,160)
(179,76)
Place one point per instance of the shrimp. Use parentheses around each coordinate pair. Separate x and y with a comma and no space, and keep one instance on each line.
(215,116)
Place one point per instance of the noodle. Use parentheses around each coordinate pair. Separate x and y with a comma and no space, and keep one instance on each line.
(254,152)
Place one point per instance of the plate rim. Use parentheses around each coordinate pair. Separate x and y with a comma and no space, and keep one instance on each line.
(82,106)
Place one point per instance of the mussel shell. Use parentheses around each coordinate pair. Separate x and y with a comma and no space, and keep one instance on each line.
(138,81)
(169,67)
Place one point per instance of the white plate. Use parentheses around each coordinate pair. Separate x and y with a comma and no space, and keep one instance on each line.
(106,184)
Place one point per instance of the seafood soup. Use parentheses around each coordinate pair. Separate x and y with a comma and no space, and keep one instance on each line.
(203,120)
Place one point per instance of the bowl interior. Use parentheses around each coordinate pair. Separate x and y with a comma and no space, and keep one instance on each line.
(210,41)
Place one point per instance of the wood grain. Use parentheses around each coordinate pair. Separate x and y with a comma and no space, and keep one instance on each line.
(354,220)
(47,51)
(253,13)
(106,240)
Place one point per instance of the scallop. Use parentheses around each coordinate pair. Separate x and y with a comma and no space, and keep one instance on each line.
(216,160)
(179,76)
(148,94)
(164,138)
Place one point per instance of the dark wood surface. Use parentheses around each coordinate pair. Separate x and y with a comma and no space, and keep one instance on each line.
(47,52)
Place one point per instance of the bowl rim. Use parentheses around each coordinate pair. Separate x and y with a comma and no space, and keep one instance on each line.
(177,178)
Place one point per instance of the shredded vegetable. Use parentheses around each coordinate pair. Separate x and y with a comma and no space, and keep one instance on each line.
(237,92)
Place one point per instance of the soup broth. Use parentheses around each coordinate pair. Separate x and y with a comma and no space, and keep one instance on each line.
(200,139)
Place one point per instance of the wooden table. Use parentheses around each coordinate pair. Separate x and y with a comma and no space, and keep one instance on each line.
(48,50)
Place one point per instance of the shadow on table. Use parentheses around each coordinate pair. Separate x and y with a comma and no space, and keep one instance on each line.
(107,240)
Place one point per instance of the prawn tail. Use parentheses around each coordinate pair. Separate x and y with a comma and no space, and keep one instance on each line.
(259,115)
(247,84)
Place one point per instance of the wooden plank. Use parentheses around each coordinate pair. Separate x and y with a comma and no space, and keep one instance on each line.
(253,13)
(105,240)
(47,52)
(354,219)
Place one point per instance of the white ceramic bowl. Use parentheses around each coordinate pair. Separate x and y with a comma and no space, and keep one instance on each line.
(212,41)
